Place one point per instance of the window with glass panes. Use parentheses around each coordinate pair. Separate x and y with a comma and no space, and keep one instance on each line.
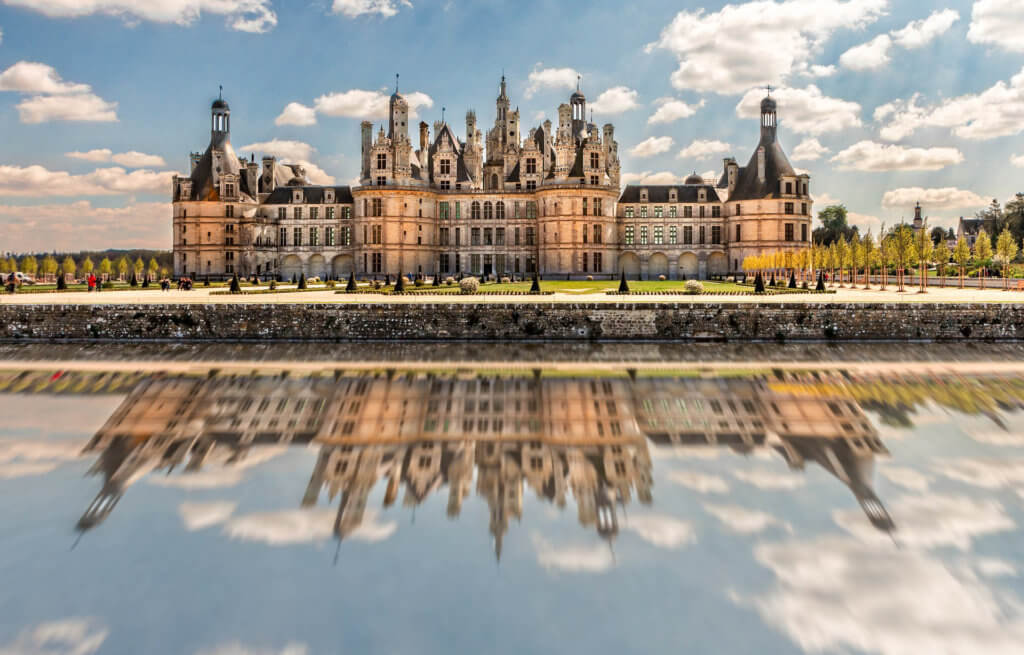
(687,234)
(643,211)
(314,213)
(629,212)
(297,213)
(297,236)
(282,213)
(658,212)
(376,234)
(659,235)
(598,264)
(789,231)
(716,234)
(630,234)
(329,236)
(597,234)
(282,238)
(673,234)
(643,235)
(378,207)
(330,213)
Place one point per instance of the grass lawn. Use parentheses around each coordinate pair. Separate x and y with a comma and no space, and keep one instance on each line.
(583,287)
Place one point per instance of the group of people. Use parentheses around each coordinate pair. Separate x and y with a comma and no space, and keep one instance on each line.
(95,284)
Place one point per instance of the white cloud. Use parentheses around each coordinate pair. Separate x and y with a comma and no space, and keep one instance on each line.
(368,105)
(550,78)
(919,33)
(218,475)
(572,559)
(288,150)
(937,199)
(702,149)
(238,648)
(868,56)
(805,111)
(999,23)
(73,636)
(808,150)
(699,482)
(747,45)
(871,156)
(353,8)
(299,526)
(243,15)
(654,145)
(296,113)
(991,567)
(25,458)
(615,100)
(52,98)
(647,177)
(906,477)
(79,225)
(984,473)
(670,109)
(996,111)
(770,480)
(932,521)
(864,221)
(839,595)
(825,199)
(131,159)
(1017,160)
(742,520)
(662,531)
(197,516)
(36,181)
(820,71)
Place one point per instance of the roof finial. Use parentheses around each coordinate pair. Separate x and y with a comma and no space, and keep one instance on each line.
(396,82)
(442,115)
(769,87)
(220,93)
(578,78)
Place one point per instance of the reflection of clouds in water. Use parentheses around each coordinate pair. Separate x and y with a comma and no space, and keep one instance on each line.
(19,458)
(987,473)
(218,475)
(238,648)
(662,531)
(197,516)
(997,438)
(906,477)
(683,452)
(299,526)
(594,558)
(700,482)
(836,594)
(932,521)
(771,480)
(744,521)
(74,636)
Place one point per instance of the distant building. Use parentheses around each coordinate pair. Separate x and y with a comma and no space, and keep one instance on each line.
(968,228)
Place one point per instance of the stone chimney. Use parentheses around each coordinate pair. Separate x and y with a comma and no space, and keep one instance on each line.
(424,136)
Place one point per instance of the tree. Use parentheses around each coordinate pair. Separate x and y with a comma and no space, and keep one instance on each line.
(902,252)
(68,266)
(868,253)
(140,265)
(29,265)
(993,217)
(843,257)
(1006,250)
(941,259)
(87,266)
(923,248)
(983,253)
(937,234)
(49,266)
(833,226)
(106,267)
(962,257)
(5,266)
(122,267)
(1013,217)
(153,267)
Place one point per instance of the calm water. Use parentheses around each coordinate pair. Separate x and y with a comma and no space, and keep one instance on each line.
(474,499)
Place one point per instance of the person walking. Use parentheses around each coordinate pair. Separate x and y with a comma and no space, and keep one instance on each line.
(91,281)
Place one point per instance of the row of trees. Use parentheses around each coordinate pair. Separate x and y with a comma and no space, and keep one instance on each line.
(49,266)
(899,251)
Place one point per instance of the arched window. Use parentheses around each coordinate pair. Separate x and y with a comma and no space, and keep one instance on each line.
(488,210)
(499,210)
(474,211)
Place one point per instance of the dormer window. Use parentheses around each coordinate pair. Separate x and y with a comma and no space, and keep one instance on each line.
(229,190)
(329,196)
(595,160)
(789,188)
(702,195)
(382,162)
(673,195)
(643,195)
(446,167)
(297,196)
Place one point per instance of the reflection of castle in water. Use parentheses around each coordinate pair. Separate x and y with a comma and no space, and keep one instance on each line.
(563,437)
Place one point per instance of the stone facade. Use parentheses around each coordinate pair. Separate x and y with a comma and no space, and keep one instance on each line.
(547,203)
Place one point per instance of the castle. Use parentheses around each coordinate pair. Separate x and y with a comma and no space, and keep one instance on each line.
(548,203)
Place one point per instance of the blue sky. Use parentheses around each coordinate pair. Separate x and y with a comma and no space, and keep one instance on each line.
(884,102)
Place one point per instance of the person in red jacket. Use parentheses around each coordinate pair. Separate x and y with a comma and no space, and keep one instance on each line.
(92,282)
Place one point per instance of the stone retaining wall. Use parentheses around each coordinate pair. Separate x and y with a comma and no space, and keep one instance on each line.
(501,322)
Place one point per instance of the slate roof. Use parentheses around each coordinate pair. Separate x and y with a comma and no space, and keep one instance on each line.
(658,193)
(776,164)
(313,195)
(205,177)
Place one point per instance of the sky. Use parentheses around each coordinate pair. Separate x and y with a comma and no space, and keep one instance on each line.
(883,102)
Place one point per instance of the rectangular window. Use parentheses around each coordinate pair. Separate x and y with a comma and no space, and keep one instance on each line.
(598,265)
(597,234)
(643,235)
(382,162)
(229,211)
(701,211)
(629,212)
(630,232)
(297,236)
(446,167)
(499,236)
(673,234)
(803,232)
(586,256)
(643,211)
(531,166)
(474,264)
(594,180)
(585,234)
(597,207)
(346,213)
(458,210)
(673,212)
(531,210)
(716,212)
(314,213)
(716,234)
(739,233)
(330,213)
(445,236)
(488,237)
(474,236)
(346,235)
(803,208)
(446,185)
(378,262)
(283,237)
(376,234)
(789,231)
(531,238)
(584,206)
(517,241)
(297,213)
(443,210)
(378,207)
(659,235)
(789,188)
(282,213)
(314,236)
(595,160)
(789,208)
(658,212)
(702,234)
(687,212)
(531,185)
(687,234)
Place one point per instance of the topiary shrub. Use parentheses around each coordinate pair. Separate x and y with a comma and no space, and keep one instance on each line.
(758,284)
(134,281)
(792,280)
(437,281)
(419,281)
(400,281)
(693,288)
(590,278)
(235,286)
(331,284)
(535,287)
(145,282)
(506,280)
(351,286)
(377,284)
(62,282)
(449,281)
(469,285)
(302,281)
(623,286)
(273,285)
(661,278)
(821,283)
